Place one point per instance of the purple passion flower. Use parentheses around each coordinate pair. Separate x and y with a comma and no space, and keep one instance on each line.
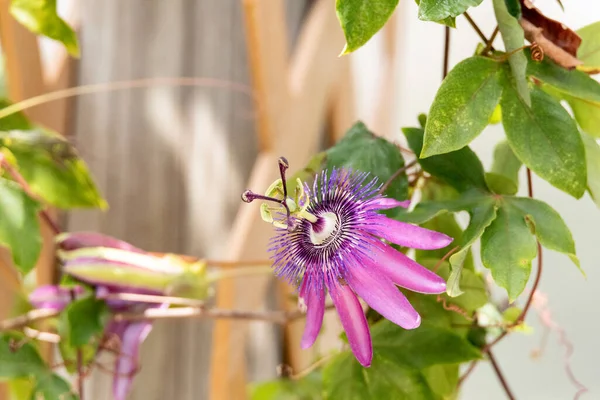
(335,245)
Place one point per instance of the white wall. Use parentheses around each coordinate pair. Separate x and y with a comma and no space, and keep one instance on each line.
(572,298)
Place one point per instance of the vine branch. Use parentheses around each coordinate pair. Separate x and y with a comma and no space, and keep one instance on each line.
(500,375)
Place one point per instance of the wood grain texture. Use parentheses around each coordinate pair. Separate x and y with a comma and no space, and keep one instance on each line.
(171,162)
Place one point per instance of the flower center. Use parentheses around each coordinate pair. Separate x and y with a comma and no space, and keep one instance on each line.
(325,230)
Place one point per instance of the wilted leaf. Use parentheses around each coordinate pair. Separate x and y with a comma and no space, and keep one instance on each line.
(19,226)
(462,106)
(556,40)
(361,19)
(545,138)
(40,17)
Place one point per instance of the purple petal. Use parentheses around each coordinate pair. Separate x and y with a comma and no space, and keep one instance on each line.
(132,335)
(381,294)
(405,272)
(78,240)
(354,322)
(384,203)
(53,296)
(407,235)
(314,299)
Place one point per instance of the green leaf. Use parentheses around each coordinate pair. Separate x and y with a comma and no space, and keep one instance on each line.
(514,38)
(571,82)
(19,227)
(549,227)
(18,358)
(481,216)
(443,379)
(587,114)
(13,121)
(40,17)
(307,388)
(421,348)
(84,318)
(461,169)
(52,386)
(545,138)
(500,184)
(462,106)
(506,163)
(361,19)
(589,50)
(398,362)
(592,156)
(52,168)
(361,150)
(513,7)
(507,248)
(435,10)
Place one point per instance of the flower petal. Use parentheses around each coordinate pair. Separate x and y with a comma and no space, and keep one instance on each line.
(384,203)
(132,335)
(381,294)
(405,272)
(314,299)
(407,235)
(353,320)
(53,296)
(78,240)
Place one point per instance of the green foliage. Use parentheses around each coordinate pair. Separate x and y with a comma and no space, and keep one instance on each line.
(461,169)
(463,105)
(507,248)
(401,363)
(40,17)
(436,10)
(12,121)
(81,326)
(52,168)
(514,38)
(307,388)
(481,216)
(547,224)
(545,138)
(19,227)
(589,51)
(20,359)
(513,7)
(592,155)
(361,19)
(361,150)
(506,164)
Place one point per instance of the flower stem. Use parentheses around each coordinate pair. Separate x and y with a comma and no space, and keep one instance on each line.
(396,175)
(446,52)
(500,376)
(239,272)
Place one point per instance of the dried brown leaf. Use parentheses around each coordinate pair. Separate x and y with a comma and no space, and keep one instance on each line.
(558,41)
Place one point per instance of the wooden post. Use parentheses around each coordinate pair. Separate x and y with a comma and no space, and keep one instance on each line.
(294,93)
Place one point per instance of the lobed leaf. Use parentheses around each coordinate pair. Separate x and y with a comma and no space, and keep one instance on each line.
(592,156)
(589,50)
(436,10)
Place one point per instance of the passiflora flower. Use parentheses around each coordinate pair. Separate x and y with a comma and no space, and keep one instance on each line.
(337,243)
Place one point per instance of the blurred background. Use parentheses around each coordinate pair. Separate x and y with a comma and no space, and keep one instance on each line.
(173,156)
